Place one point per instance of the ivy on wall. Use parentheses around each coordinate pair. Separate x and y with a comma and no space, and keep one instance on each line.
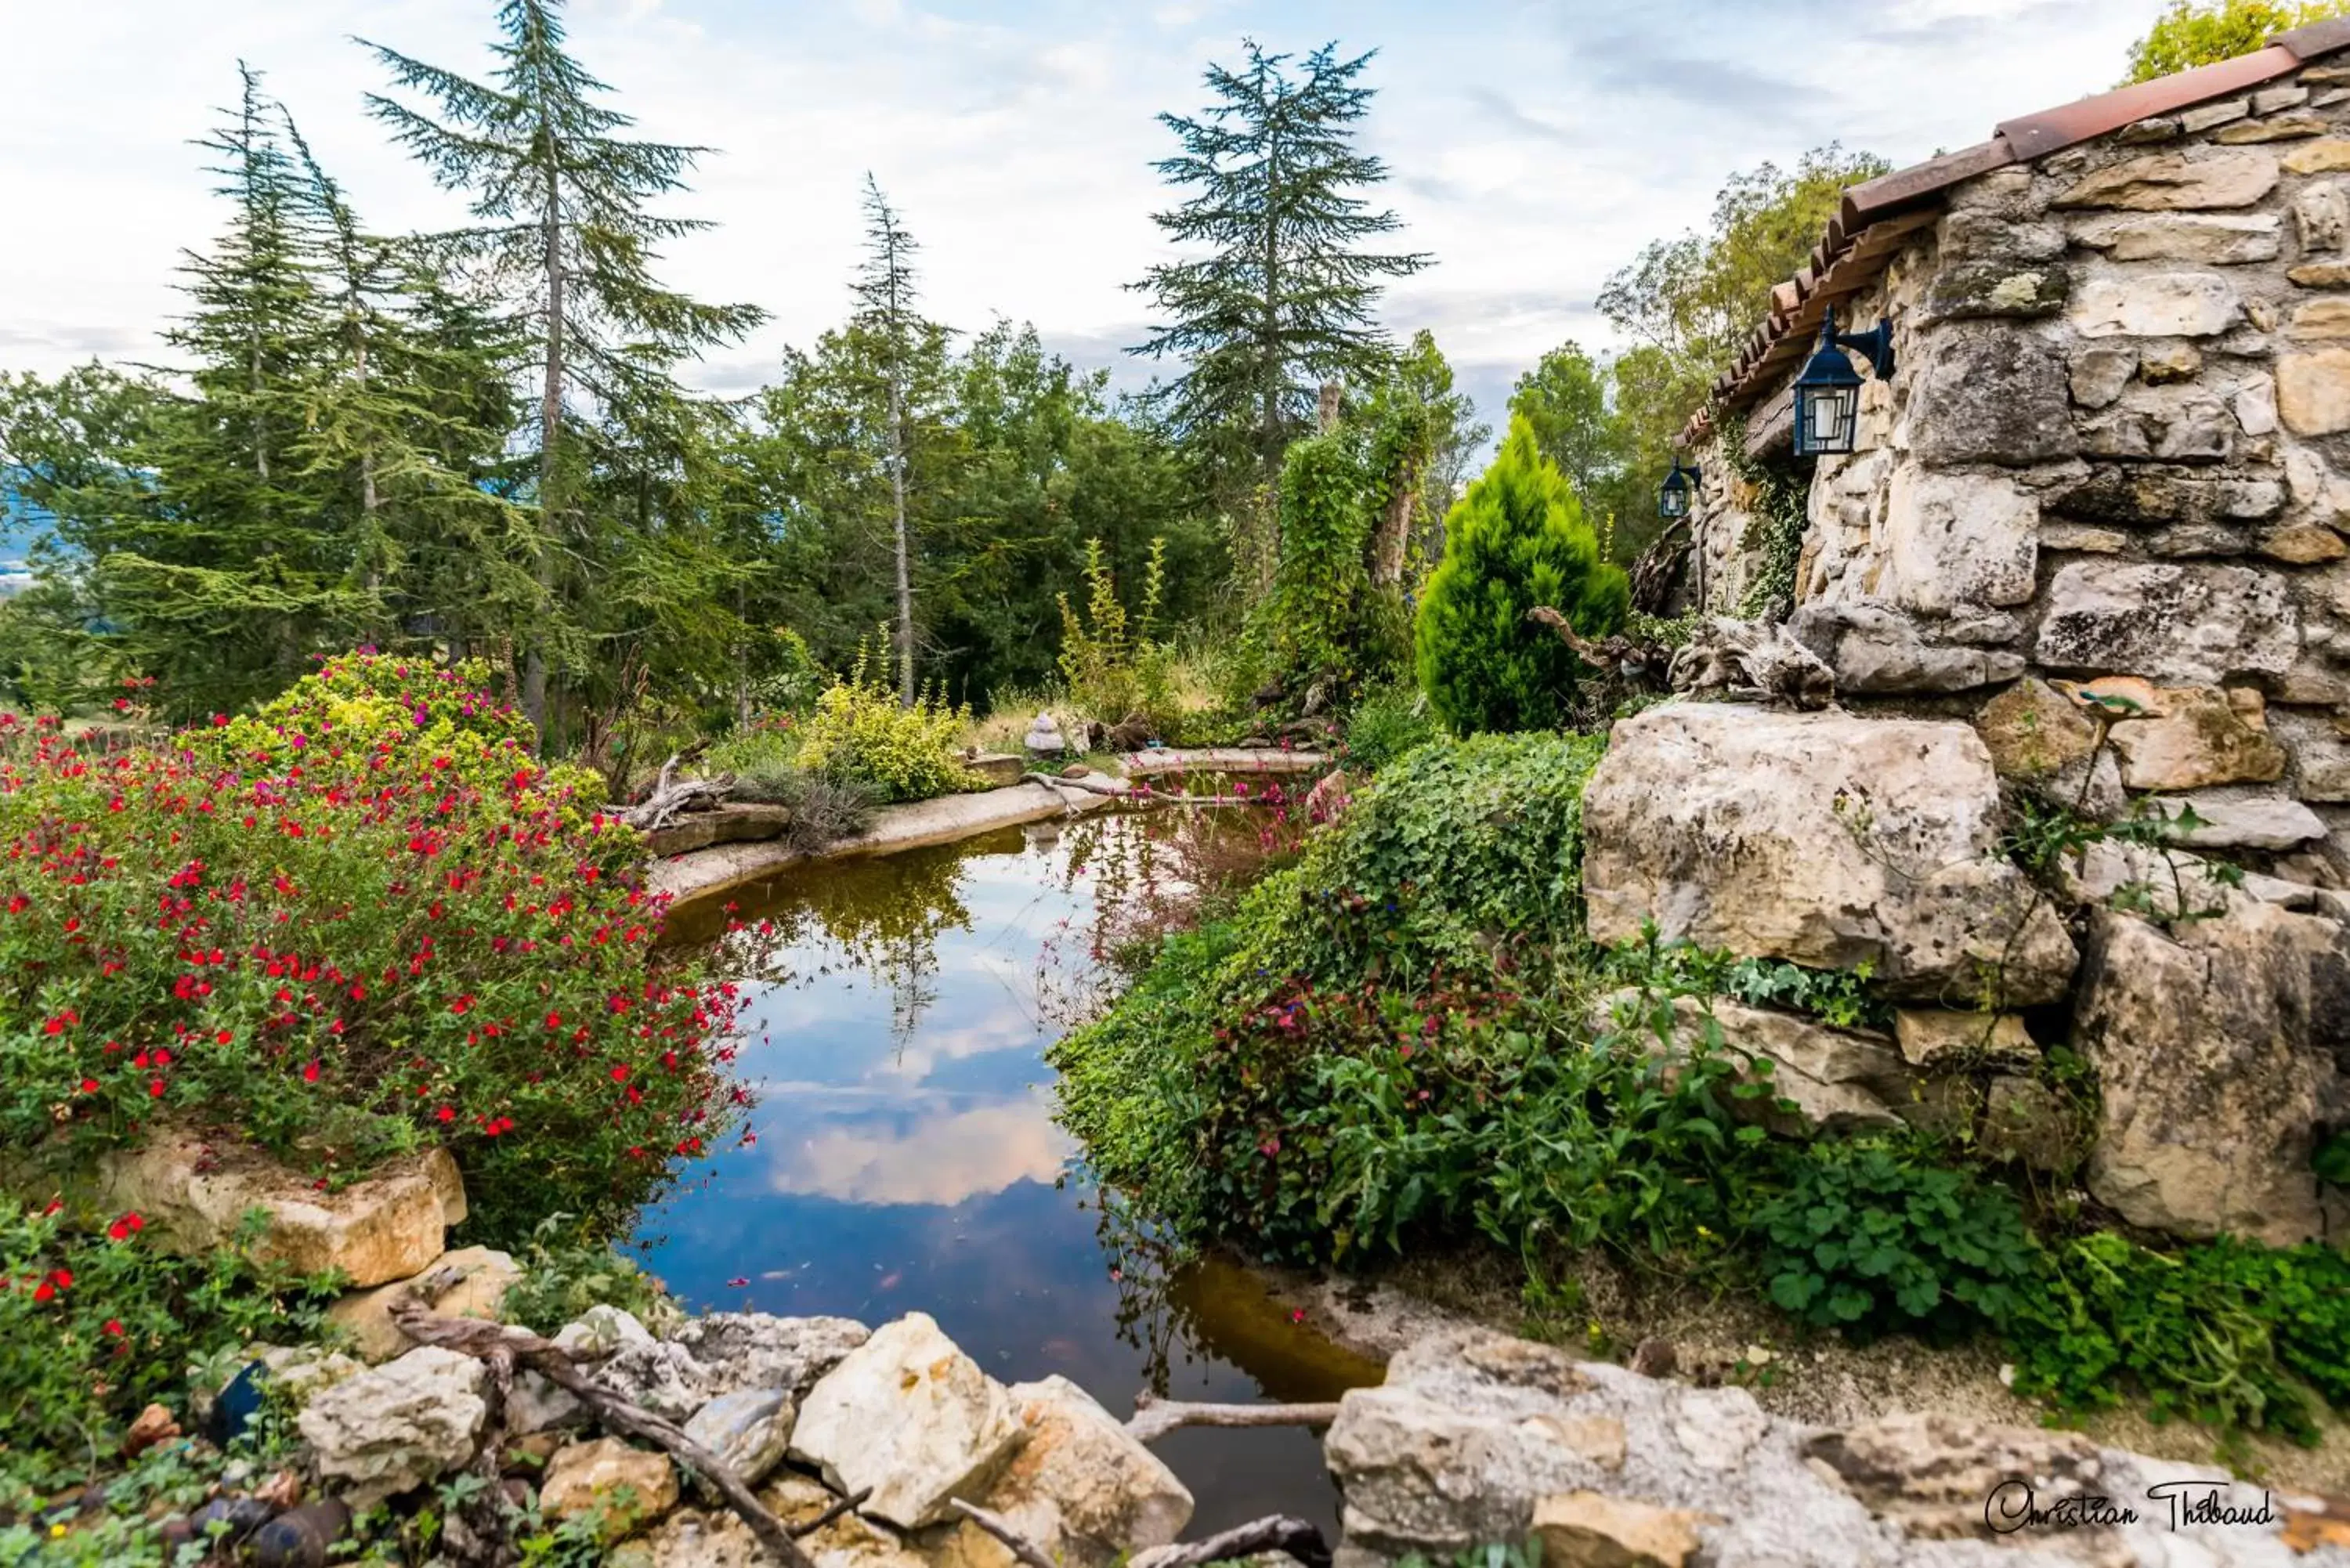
(1780,516)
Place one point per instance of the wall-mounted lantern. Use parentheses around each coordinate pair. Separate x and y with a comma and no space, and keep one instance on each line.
(1827,394)
(1673,495)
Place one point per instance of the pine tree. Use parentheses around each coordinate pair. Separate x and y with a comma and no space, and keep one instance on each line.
(562,201)
(1283,302)
(1517,540)
(885,300)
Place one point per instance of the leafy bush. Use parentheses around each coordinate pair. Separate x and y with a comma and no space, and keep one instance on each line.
(1386,723)
(1839,998)
(1322,620)
(1517,540)
(565,1270)
(92,1327)
(762,757)
(861,734)
(364,918)
(1866,1239)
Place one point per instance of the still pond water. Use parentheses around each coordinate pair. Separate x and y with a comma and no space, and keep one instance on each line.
(906,1157)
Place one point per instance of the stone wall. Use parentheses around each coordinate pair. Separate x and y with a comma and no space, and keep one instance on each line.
(2116,449)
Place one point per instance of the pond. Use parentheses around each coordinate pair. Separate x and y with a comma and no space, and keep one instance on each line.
(906,1157)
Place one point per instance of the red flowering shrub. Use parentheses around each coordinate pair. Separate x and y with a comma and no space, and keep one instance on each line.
(94,1326)
(363,919)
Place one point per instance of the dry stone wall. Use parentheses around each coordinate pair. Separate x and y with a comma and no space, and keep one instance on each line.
(2116,447)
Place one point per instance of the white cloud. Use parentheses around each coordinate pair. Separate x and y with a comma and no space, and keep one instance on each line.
(934,1156)
(1536,144)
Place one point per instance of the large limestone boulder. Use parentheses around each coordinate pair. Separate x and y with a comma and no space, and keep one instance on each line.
(1878,648)
(626,1486)
(750,1430)
(196,1193)
(1825,839)
(910,1416)
(2214,1045)
(394,1427)
(726,1353)
(1836,1080)
(1079,1487)
(2193,623)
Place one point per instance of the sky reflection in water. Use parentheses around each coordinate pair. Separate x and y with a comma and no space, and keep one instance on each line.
(906,1159)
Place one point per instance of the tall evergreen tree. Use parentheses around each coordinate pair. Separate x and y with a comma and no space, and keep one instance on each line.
(562,201)
(885,307)
(1283,300)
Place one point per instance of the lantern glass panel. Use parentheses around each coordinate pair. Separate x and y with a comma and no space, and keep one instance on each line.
(1826,418)
(1673,496)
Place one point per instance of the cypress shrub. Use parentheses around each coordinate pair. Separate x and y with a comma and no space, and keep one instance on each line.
(1517,540)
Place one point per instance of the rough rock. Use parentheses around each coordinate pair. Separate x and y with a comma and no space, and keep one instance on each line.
(2174,179)
(1992,395)
(997,767)
(1933,1473)
(1825,839)
(602,1331)
(910,1416)
(1939,1039)
(2034,732)
(2215,239)
(750,1430)
(468,1283)
(736,821)
(535,1406)
(1079,1487)
(2189,737)
(1875,647)
(728,1353)
(2319,748)
(2314,391)
(2321,217)
(1960,539)
(298,1372)
(2181,623)
(689,1538)
(396,1426)
(2144,878)
(1838,1080)
(2133,496)
(630,1485)
(2156,304)
(196,1195)
(2170,424)
(2234,819)
(2319,157)
(2277,128)
(2302,544)
(1591,1530)
(1964,291)
(2214,1046)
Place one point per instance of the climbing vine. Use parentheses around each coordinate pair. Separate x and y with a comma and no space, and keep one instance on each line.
(1782,494)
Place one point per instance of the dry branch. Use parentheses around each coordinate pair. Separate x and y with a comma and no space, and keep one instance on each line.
(491,1342)
(1155,1417)
(1274,1532)
(840,1505)
(669,797)
(998,1526)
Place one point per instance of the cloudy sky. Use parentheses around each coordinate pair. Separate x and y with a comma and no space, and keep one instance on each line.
(1535,144)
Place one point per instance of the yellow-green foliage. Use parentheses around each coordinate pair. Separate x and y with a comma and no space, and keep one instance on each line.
(859,733)
(2189,34)
(1113,668)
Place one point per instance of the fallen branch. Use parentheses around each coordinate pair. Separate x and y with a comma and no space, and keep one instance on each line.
(1275,1533)
(491,1342)
(1155,1417)
(839,1506)
(670,797)
(998,1526)
(1149,797)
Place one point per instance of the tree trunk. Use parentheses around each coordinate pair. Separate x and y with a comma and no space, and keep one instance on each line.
(904,567)
(550,414)
(1391,543)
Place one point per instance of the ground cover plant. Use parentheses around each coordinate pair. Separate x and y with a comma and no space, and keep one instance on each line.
(363,918)
(1400,1041)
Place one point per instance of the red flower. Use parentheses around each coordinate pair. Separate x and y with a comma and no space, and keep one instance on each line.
(113,1327)
(89,1085)
(44,1290)
(310,1072)
(446,1113)
(155,1089)
(620,1075)
(126,1227)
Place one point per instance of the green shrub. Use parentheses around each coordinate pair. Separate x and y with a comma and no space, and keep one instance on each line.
(1322,622)
(1867,1239)
(569,1268)
(1387,723)
(92,1327)
(860,733)
(364,919)
(1114,669)
(1515,541)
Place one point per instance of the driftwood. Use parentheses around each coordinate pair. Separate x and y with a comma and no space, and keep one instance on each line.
(995,1524)
(1658,570)
(1635,663)
(1155,1417)
(1755,660)
(494,1343)
(672,795)
(1275,1533)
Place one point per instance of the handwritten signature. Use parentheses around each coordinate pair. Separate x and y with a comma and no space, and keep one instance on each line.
(2012,1506)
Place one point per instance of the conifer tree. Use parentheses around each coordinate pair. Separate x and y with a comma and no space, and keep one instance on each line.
(1517,540)
(885,301)
(1283,300)
(562,201)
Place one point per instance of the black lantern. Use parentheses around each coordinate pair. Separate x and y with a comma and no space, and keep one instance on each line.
(1827,394)
(1673,495)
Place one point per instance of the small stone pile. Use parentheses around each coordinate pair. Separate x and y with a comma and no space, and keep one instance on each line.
(806,1410)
